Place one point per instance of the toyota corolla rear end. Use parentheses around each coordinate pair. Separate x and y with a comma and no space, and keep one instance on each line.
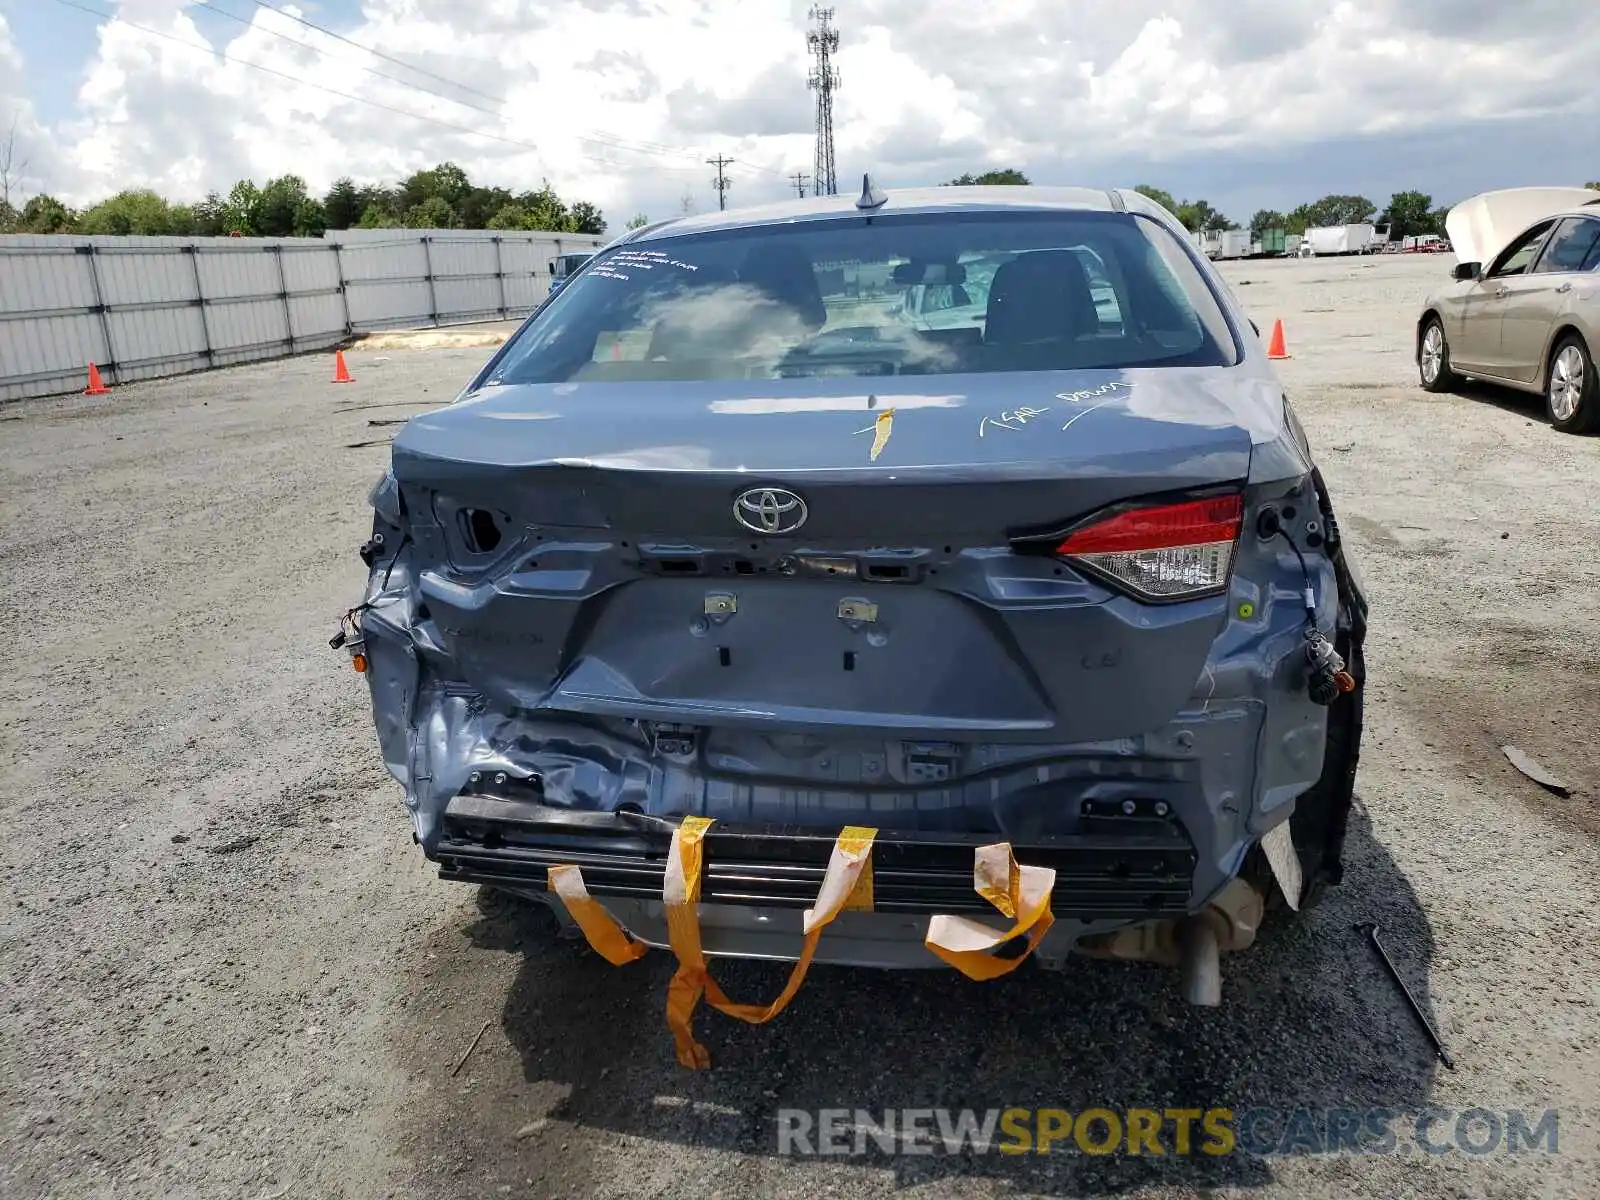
(718,546)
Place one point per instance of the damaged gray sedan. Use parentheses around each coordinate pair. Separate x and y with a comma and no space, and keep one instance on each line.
(718,541)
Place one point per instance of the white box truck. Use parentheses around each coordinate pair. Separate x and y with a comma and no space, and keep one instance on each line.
(1234,243)
(1339,239)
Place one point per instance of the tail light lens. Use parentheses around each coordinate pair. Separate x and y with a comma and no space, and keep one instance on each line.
(1164,552)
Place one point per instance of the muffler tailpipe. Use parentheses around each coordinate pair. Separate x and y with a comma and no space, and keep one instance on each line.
(1201,957)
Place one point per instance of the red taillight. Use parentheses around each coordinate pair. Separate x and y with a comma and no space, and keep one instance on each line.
(1164,552)
(1187,524)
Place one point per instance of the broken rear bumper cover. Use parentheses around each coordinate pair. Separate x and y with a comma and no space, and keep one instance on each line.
(1140,830)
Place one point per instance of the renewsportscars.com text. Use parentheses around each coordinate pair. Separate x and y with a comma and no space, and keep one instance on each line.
(1213,1131)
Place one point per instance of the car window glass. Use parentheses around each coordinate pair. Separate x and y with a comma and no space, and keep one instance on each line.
(1592,261)
(1569,247)
(1105,292)
(980,274)
(1039,291)
(1515,258)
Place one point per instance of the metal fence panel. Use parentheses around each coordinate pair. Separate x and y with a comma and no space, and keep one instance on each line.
(49,354)
(318,320)
(227,274)
(43,281)
(388,303)
(527,258)
(155,338)
(467,299)
(453,257)
(524,293)
(241,324)
(141,307)
(136,274)
(385,260)
(315,269)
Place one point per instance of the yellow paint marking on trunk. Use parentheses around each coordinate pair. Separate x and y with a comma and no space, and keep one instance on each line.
(880,429)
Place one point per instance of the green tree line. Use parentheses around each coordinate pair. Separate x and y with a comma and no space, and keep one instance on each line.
(1408,214)
(441,197)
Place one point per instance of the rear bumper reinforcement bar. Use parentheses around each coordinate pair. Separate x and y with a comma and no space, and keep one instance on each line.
(1143,869)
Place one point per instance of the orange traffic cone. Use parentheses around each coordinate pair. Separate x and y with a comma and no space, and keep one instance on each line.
(1275,347)
(341,373)
(95,388)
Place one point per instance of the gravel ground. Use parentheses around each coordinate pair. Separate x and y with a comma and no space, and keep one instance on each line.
(228,972)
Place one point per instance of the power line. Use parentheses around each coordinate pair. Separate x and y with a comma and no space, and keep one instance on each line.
(721,183)
(597,137)
(375,53)
(223,54)
(823,42)
(211,7)
(378,104)
(799,179)
(210,50)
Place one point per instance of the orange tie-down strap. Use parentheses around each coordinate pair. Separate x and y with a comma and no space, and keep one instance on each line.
(603,931)
(847,883)
(1020,893)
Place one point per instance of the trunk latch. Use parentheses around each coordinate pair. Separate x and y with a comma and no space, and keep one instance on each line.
(721,604)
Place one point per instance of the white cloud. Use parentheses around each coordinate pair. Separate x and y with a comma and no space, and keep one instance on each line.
(26,152)
(1214,90)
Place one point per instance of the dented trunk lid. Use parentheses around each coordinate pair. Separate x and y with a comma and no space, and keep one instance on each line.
(579,551)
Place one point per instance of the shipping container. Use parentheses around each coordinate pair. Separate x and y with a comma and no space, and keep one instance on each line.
(1273,241)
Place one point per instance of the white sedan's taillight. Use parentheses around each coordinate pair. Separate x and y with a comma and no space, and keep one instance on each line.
(1164,552)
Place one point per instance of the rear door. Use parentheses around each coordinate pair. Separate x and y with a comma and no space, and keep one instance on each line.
(1477,346)
(1539,298)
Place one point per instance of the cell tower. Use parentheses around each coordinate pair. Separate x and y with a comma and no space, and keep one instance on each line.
(823,42)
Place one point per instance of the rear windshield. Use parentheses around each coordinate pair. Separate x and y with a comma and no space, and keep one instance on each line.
(915,295)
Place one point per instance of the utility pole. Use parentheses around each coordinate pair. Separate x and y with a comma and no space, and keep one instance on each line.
(800,181)
(823,42)
(722,182)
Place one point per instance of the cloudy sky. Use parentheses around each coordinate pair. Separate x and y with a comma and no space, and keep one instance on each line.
(1249,103)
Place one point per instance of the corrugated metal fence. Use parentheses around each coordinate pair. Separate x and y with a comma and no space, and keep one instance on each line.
(140,307)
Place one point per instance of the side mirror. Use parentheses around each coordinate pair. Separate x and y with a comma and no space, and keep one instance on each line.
(1466,271)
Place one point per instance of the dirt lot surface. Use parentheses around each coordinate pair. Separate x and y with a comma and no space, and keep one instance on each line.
(446,337)
(227,971)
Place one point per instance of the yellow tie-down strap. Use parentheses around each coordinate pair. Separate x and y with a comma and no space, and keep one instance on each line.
(847,883)
(1019,893)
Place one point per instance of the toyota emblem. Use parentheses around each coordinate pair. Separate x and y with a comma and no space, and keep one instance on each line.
(769,510)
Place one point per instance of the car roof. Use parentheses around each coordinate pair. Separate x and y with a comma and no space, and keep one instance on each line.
(994,198)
